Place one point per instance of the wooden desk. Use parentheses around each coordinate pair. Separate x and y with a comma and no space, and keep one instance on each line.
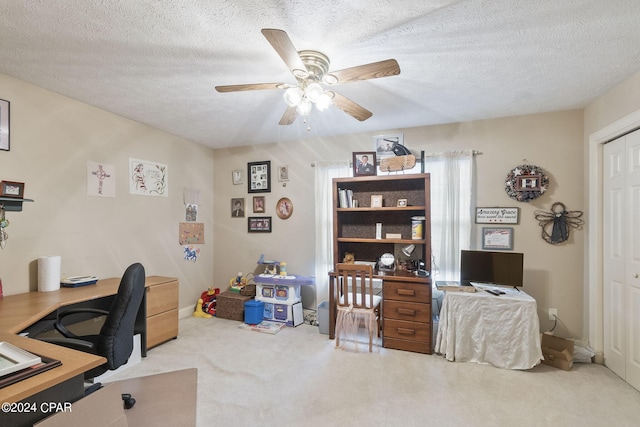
(503,331)
(406,307)
(73,363)
(18,312)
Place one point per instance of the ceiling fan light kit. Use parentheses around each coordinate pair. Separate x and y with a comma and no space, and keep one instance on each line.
(311,68)
(304,99)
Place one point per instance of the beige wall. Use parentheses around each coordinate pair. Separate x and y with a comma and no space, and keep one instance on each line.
(52,138)
(617,103)
(615,113)
(553,141)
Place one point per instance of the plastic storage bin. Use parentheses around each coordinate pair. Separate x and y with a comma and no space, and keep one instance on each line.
(323,317)
(253,311)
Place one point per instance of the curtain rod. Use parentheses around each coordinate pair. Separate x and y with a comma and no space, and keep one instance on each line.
(442,153)
(423,154)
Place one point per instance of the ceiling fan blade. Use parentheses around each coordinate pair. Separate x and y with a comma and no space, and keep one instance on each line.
(255,86)
(289,116)
(374,70)
(351,108)
(285,48)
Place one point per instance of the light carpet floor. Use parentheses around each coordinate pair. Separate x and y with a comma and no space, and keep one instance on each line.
(297,377)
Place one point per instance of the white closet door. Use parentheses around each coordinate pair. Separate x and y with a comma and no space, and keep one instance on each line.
(632,270)
(613,263)
(621,264)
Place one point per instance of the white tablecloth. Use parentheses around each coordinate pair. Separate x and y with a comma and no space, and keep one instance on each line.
(479,327)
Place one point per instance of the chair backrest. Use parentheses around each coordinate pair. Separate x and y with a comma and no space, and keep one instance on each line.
(116,336)
(360,293)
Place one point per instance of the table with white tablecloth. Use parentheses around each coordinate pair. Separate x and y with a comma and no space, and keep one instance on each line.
(503,331)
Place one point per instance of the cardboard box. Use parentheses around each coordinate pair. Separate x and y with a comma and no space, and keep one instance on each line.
(557,351)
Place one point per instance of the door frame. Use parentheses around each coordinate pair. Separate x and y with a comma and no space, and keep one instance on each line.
(594,246)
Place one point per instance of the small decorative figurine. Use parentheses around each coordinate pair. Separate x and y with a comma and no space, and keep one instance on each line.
(283,268)
(349,258)
(238,282)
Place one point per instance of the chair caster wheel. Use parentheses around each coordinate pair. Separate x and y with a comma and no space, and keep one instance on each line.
(128,401)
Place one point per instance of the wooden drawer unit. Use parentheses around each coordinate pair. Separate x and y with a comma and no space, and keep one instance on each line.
(409,311)
(407,291)
(409,336)
(406,312)
(162,327)
(162,311)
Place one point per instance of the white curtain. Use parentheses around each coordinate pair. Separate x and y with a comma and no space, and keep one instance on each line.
(324,174)
(452,207)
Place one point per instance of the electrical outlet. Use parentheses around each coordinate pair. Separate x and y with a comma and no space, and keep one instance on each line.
(553,313)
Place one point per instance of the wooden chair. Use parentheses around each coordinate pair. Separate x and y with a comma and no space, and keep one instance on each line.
(356,303)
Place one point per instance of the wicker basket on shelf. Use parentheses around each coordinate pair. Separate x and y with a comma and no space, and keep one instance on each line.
(249,290)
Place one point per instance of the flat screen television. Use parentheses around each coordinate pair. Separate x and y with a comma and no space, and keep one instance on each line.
(498,268)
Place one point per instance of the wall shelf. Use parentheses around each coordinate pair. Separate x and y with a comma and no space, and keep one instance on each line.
(12,204)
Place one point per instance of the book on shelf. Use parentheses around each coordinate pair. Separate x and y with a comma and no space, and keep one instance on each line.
(345,198)
(45,364)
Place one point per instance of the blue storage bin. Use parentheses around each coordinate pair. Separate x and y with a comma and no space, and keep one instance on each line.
(253,312)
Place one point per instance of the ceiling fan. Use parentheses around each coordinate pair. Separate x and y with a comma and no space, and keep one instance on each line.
(311,70)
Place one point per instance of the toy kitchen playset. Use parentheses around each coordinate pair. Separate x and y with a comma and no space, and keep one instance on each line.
(280,294)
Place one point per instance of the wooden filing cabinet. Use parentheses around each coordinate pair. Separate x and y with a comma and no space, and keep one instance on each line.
(162,310)
(406,312)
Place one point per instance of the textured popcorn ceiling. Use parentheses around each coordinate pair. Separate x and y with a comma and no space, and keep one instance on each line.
(157,61)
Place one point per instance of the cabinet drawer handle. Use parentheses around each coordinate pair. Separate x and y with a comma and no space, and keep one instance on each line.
(405,331)
(406,292)
(406,311)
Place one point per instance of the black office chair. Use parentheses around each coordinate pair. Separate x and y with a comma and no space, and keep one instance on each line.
(115,340)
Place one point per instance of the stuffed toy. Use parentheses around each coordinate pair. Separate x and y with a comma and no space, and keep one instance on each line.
(349,258)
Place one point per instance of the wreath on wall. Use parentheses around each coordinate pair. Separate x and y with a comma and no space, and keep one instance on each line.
(526,182)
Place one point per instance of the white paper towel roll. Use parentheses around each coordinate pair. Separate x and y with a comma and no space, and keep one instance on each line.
(48,273)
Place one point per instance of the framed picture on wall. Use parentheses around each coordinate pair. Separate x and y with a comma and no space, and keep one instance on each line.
(364,163)
(237,208)
(258,204)
(236,177)
(12,189)
(283,173)
(383,144)
(284,208)
(497,238)
(259,177)
(259,224)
